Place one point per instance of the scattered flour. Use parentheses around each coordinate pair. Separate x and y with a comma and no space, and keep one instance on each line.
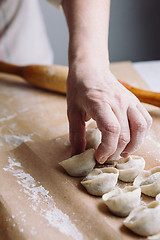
(12,126)
(39,196)
(66,144)
(7,118)
(16,140)
(33,232)
(58,139)
(153,141)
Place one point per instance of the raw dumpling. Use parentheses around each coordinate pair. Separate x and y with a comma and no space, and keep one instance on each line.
(130,167)
(122,201)
(144,220)
(149,181)
(93,137)
(80,165)
(158,197)
(100,180)
(154,237)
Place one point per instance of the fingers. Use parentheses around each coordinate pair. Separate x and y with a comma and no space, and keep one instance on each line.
(139,123)
(124,136)
(122,132)
(110,128)
(77,132)
(146,115)
(123,129)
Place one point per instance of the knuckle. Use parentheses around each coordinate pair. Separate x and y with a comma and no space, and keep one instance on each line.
(124,139)
(96,96)
(140,126)
(113,128)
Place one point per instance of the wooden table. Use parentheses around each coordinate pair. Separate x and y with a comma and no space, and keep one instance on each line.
(37,199)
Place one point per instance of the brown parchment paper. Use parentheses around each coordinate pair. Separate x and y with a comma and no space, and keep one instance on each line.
(38,200)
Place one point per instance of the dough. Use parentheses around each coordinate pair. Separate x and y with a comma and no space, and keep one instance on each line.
(130,167)
(144,220)
(80,165)
(122,201)
(158,197)
(93,137)
(149,181)
(100,180)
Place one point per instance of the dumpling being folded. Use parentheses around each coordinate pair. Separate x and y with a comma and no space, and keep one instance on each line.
(144,220)
(100,180)
(130,167)
(80,165)
(149,181)
(93,137)
(122,201)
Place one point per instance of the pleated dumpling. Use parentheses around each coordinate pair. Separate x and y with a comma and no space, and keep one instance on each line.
(144,220)
(93,138)
(122,201)
(80,165)
(149,181)
(100,180)
(130,167)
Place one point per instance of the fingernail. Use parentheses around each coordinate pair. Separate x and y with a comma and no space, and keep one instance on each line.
(124,154)
(102,160)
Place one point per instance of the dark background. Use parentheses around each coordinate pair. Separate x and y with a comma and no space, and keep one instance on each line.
(134,30)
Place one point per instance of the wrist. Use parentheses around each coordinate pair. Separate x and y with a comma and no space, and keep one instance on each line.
(88,54)
(87,57)
(88,71)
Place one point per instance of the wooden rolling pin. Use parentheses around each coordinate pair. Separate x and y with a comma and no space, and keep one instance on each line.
(54,78)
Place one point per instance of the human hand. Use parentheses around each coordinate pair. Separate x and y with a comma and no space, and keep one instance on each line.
(93,92)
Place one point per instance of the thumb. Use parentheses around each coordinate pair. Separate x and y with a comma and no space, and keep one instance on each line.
(77,132)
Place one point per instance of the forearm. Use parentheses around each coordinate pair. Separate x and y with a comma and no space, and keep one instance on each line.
(93,91)
(88,23)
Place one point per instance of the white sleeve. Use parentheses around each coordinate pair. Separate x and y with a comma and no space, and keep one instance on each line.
(56,3)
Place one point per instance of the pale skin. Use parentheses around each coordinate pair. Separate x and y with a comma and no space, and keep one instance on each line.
(93,91)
